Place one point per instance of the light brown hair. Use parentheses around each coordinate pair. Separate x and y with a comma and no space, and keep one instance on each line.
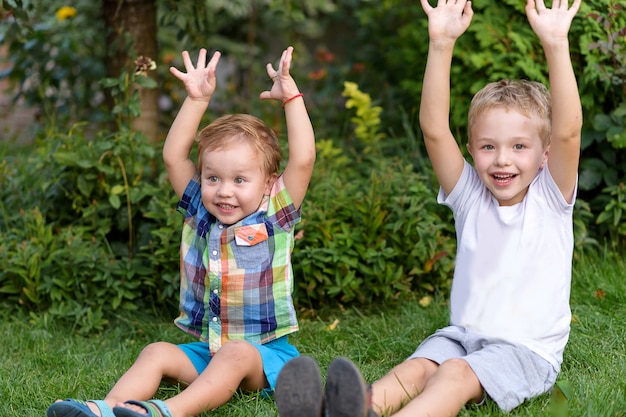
(530,98)
(244,127)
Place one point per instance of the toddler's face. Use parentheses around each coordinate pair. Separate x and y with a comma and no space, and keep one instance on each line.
(233,183)
(507,153)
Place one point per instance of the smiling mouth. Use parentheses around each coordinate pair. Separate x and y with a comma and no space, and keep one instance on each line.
(226,206)
(503,178)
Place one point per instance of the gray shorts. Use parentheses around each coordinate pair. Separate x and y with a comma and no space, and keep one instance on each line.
(510,374)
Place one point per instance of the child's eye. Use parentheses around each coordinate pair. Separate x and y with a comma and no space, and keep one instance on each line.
(212,178)
(239,180)
(488,147)
(518,147)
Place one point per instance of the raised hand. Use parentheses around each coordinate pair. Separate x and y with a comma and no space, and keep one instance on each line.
(200,80)
(284,85)
(551,24)
(449,20)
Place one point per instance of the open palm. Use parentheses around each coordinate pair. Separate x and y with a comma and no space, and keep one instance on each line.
(449,20)
(200,80)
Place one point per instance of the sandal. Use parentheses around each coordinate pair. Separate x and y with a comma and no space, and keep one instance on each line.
(298,390)
(155,408)
(78,408)
(347,394)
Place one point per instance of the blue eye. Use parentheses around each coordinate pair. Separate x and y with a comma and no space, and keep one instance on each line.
(238,180)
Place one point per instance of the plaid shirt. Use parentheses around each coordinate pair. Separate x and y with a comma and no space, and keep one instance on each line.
(237,280)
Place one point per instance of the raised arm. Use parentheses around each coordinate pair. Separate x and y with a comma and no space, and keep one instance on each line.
(200,84)
(446,22)
(552,26)
(300,136)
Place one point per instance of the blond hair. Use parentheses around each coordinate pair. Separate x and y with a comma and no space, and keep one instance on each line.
(243,127)
(530,98)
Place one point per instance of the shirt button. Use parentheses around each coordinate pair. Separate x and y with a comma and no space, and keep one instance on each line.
(215,292)
(214,319)
(214,252)
(221,226)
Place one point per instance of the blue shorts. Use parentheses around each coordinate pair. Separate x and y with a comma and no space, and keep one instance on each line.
(274,355)
(509,373)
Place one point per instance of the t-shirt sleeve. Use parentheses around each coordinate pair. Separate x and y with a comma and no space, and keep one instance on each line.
(281,210)
(190,201)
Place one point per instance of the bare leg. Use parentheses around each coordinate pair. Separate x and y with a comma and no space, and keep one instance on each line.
(403,383)
(446,392)
(156,361)
(236,365)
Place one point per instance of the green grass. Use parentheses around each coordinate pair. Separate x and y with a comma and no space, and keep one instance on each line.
(44,361)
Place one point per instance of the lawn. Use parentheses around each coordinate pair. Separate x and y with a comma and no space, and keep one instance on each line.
(44,361)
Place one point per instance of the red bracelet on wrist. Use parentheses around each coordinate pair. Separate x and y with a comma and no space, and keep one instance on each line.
(292,98)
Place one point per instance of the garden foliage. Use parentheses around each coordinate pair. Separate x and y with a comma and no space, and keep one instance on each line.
(88,225)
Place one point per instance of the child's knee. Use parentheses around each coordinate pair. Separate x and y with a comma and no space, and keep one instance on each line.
(459,370)
(157,350)
(457,366)
(237,351)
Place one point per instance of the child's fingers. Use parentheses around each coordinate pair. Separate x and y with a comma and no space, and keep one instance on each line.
(539,6)
(201,59)
(271,72)
(468,12)
(177,73)
(187,61)
(214,60)
(426,6)
(575,6)
(285,60)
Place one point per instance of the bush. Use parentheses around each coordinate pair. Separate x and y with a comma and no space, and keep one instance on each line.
(371,238)
(98,232)
(82,228)
(372,230)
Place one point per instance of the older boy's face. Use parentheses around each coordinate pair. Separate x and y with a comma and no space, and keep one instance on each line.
(233,183)
(507,153)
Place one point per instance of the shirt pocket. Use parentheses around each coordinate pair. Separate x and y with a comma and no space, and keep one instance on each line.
(251,247)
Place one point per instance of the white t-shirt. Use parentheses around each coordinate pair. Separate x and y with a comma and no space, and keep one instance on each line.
(513,264)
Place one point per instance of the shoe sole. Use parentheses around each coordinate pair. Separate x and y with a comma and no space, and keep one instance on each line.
(346,391)
(298,390)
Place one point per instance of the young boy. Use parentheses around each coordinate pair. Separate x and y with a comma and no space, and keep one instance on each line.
(510,315)
(237,239)
(509,304)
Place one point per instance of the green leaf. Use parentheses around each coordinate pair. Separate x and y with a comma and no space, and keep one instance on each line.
(66,158)
(602,122)
(617,136)
(115,201)
(117,189)
(146,82)
(85,187)
(109,82)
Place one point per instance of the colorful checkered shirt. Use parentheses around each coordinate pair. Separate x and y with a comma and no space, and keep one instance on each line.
(237,280)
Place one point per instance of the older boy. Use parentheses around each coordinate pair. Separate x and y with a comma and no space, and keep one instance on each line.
(510,315)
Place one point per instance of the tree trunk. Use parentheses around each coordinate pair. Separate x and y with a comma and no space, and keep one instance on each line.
(136,18)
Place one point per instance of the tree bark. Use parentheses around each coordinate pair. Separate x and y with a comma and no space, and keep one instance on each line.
(136,18)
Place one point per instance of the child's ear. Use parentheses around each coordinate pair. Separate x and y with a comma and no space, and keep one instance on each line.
(269,182)
(546,152)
